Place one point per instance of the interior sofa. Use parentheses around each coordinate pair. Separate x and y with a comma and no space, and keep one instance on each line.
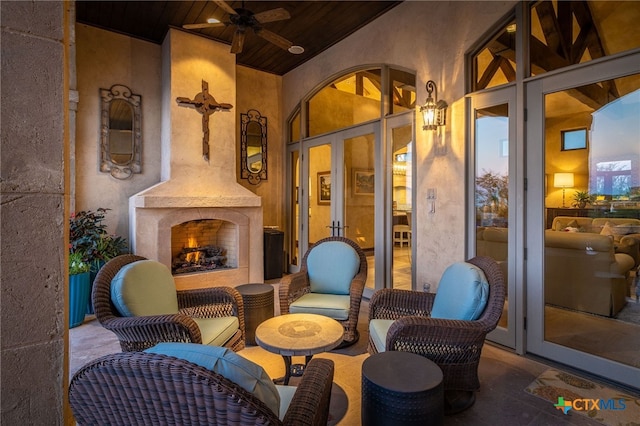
(586,269)
(625,232)
(492,242)
(588,262)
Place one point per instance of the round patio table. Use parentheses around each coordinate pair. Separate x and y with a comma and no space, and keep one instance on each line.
(298,335)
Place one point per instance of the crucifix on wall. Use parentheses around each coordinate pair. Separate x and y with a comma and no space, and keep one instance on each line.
(206,105)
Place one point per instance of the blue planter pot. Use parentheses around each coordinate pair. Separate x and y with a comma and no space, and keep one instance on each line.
(79,285)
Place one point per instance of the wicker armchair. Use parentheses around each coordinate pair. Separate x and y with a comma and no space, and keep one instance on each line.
(139,388)
(294,286)
(140,333)
(454,345)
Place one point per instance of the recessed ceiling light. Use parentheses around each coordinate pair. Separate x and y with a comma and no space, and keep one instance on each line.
(296,50)
(213,21)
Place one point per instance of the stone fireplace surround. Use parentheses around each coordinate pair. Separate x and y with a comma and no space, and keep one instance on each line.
(153,240)
(194,188)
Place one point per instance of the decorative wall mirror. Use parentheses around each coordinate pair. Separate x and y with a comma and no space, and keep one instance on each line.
(120,136)
(253,147)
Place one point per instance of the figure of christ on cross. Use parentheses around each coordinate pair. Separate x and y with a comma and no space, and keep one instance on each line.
(206,105)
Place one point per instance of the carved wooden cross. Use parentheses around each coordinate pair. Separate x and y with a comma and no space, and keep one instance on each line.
(206,105)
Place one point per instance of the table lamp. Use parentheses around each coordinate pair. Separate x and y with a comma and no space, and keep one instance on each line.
(563,180)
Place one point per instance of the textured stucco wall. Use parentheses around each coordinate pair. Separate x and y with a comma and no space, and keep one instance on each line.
(433,39)
(33,214)
(105,58)
(263,92)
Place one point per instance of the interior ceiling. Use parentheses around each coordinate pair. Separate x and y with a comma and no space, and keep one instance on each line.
(314,25)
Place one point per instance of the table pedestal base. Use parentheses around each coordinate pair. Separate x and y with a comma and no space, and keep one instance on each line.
(294,370)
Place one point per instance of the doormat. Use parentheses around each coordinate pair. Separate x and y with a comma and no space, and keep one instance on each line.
(572,394)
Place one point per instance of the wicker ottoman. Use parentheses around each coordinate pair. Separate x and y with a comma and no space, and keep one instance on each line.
(401,388)
(258,307)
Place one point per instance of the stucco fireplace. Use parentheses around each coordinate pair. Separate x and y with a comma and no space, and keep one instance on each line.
(196,189)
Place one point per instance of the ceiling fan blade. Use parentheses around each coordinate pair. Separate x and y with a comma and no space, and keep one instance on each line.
(272,15)
(238,41)
(223,4)
(274,38)
(203,25)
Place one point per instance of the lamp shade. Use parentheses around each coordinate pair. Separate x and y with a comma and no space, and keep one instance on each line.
(563,180)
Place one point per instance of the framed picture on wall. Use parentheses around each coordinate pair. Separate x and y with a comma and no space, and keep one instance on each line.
(363,182)
(573,139)
(324,188)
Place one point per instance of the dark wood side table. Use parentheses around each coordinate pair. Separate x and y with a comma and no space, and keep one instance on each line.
(401,388)
(258,307)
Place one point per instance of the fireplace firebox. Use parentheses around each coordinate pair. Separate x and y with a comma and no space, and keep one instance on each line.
(203,245)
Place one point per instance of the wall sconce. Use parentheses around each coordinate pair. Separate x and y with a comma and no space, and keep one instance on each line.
(563,180)
(434,112)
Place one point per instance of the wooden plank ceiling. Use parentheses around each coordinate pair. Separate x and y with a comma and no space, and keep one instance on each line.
(314,25)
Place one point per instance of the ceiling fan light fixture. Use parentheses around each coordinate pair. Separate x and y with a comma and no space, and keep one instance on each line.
(213,21)
(296,50)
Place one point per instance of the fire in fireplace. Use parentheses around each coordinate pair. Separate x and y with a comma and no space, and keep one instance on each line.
(202,246)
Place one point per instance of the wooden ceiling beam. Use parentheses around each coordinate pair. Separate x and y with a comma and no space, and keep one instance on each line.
(507,69)
(488,73)
(550,27)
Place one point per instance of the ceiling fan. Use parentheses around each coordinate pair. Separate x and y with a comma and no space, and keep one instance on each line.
(243,19)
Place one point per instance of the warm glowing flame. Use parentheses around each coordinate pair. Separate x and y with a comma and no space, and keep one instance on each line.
(195,256)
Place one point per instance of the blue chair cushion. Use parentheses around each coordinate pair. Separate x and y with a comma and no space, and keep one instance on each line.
(217,331)
(246,374)
(330,305)
(378,329)
(144,288)
(331,267)
(462,293)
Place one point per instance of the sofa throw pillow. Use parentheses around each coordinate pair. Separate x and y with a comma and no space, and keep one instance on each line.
(607,229)
(462,293)
(144,288)
(246,374)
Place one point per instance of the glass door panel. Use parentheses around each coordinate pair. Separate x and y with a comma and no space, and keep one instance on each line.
(359,195)
(320,196)
(402,206)
(494,182)
(590,249)
(294,226)
(359,191)
(581,270)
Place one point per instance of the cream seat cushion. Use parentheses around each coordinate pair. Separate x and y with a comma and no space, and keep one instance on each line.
(330,305)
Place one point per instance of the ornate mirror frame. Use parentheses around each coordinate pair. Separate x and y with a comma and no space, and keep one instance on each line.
(246,172)
(130,163)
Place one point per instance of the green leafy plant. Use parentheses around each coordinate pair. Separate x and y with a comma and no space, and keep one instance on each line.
(77,265)
(581,199)
(88,236)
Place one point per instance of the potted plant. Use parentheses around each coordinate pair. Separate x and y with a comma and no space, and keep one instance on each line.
(79,287)
(581,199)
(88,235)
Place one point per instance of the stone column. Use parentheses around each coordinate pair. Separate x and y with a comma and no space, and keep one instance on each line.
(33,211)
